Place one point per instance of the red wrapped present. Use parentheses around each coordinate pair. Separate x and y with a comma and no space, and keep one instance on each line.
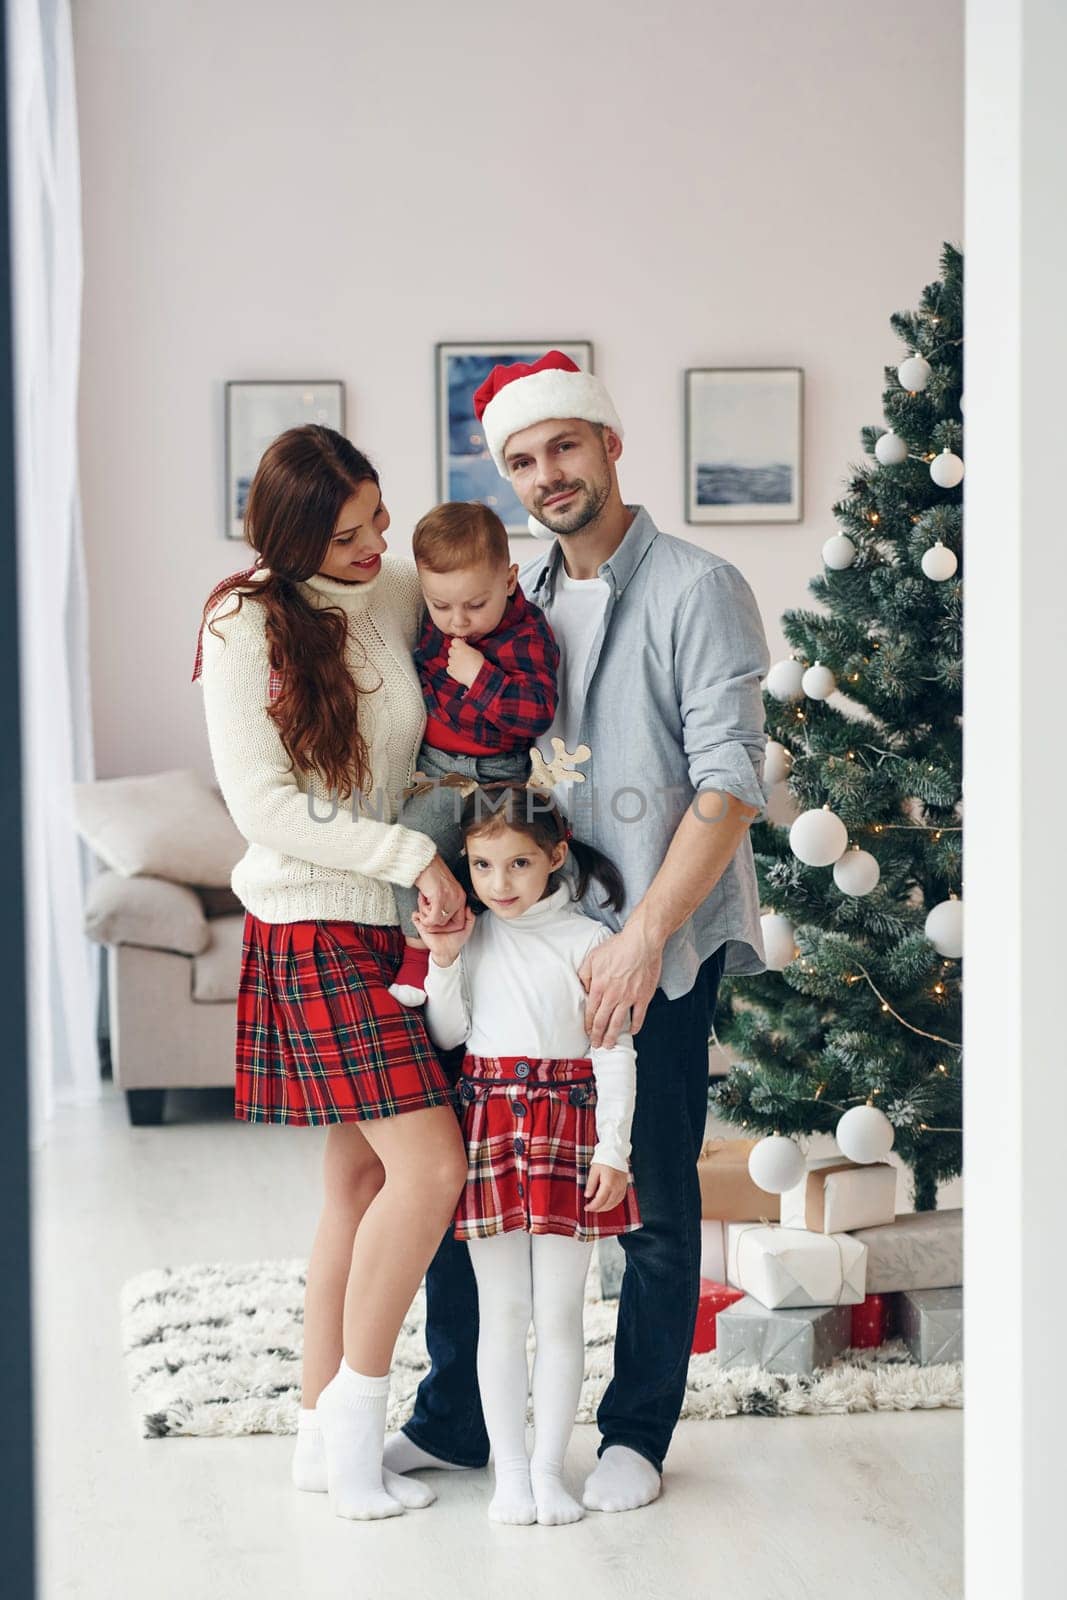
(871,1322)
(714,1297)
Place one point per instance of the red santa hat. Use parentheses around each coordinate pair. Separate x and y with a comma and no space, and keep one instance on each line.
(515,397)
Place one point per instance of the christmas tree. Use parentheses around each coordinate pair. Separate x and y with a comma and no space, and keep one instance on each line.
(862,892)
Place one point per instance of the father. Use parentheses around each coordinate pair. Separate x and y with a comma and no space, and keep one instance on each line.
(662,653)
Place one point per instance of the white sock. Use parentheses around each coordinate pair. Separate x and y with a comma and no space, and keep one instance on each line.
(403,1455)
(505,1306)
(559,1271)
(407,995)
(309,1468)
(351,1412)
(621,1481)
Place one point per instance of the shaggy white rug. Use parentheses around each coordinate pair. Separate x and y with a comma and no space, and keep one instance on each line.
(215,1350)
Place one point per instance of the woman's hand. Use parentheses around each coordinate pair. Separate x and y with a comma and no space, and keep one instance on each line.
(606,1187)
(445,947)
(441,898)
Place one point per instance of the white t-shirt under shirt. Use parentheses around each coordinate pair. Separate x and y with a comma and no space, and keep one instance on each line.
(575,615)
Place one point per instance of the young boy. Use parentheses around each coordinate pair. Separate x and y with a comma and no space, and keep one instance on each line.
(487,662)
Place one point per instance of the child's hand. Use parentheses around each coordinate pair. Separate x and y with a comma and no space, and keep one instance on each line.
(464,661)
(606,1187)
(444,947)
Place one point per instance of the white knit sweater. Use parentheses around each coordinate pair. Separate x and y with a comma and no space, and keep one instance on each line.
(305,861)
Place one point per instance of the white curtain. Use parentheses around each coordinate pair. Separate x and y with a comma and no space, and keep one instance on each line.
(56,723)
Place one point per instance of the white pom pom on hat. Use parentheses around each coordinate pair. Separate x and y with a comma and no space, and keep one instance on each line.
(518,396)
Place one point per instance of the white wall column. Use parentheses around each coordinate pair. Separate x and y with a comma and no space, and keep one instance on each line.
(1015,890)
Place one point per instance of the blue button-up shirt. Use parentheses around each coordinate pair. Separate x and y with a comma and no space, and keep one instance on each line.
(672,705)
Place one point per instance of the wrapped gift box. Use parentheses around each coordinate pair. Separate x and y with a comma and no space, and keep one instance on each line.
(727,1193)
(931,1324)
(922,1250)
(836,1196)
(782,1341)
(791,1267)
(713,1251)
(872,1322)
(714,1297)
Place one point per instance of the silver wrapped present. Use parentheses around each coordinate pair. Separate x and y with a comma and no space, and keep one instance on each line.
(931,1324)
(795,1340)
(920,1250)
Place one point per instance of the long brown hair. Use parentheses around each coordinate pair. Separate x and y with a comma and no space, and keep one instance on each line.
(533,812)
(300,486)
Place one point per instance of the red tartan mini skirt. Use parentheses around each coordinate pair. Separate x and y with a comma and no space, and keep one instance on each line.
(319,1037)
(530,1130)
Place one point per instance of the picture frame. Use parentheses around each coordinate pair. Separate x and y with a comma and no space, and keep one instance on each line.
(257,411)
(465,469)
(744,444)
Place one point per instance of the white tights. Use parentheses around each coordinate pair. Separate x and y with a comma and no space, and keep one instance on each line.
(526,1277)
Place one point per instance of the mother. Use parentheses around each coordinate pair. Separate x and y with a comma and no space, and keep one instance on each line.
(314,716)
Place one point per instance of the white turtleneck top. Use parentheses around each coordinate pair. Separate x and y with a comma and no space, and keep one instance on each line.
(514,991)
(307,861)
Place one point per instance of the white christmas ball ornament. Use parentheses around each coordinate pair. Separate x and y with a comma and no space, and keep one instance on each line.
(864,1134)
(777,762)
(819,682)
(914,374)
(785,681)
(839,552)
(857,872)
(891,449)
(818,838)
(776,1164)
(946,469)
(939,562)
(944,929)
(779,943)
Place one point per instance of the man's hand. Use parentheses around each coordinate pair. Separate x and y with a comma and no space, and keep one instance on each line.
(606,1187)
(618,976)
(464,661)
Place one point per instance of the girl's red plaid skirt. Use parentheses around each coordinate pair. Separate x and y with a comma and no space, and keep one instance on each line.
(530,1130)
(319,1037)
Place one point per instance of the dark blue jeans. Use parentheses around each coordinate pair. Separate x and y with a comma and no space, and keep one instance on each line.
(661,1284)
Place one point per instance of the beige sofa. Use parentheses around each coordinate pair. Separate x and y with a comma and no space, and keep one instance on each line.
(172,928)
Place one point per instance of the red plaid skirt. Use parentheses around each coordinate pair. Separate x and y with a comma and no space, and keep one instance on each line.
(319,1038)
(530,1130)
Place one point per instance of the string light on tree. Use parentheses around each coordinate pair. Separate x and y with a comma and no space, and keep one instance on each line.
(947,469)
(818,838)
(785,681)
(939,562)
(839,552)
(818,682)
(891,449)
(914,373)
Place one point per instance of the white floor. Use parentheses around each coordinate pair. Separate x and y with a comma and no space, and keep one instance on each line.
(758,1509)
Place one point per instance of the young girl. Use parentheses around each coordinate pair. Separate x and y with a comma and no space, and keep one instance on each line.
(546,1122)
(314,716)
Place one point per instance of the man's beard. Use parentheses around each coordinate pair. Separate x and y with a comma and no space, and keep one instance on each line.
(572,518)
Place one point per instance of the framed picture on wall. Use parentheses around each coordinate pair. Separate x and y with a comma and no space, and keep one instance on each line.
(465,469)
(743,444)
(256,413)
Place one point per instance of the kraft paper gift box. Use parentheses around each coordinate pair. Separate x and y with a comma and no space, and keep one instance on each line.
(836,1196)
(792,1267)
(782,1341)
(714,1297)
(931,1324)
(920,1250)
(727,1193)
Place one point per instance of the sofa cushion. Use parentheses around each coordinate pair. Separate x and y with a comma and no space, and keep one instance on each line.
(217,969)
(172,825)
(145,911)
